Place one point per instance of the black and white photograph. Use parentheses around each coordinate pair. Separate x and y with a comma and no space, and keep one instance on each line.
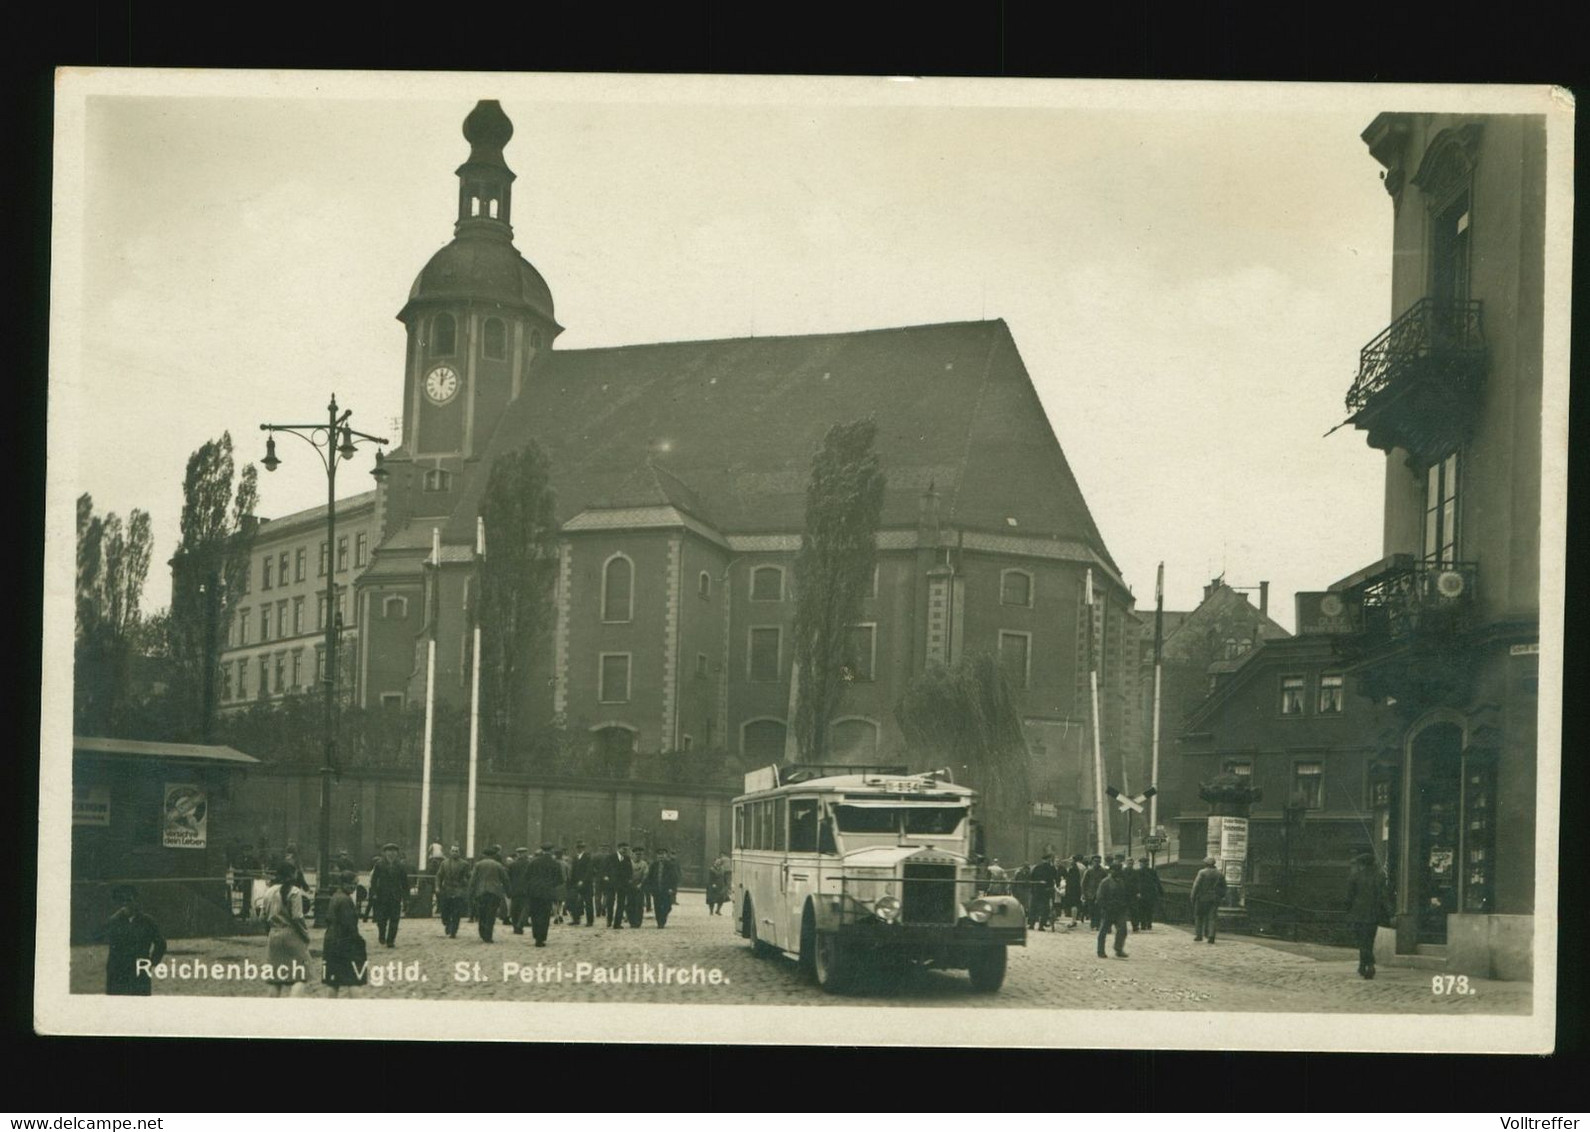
(818,561)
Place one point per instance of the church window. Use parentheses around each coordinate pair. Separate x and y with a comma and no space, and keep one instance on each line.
(1015,657)
(438,480)
(444,335)
(763,739)
(474,206)
(614,678)
(395,607)
(704,584)
(762,654)
(494,340)
(491,208)
(1015,588)
(767,583)
(535,339)
(618,589)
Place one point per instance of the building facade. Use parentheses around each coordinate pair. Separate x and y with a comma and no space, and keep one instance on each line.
(275,638)
(680,471)
(1444,628)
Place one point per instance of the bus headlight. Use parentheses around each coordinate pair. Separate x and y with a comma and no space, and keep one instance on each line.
(979,911)
(887,909)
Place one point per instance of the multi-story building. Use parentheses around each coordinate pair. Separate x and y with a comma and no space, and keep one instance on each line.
(680,471)
(275,640)
(1444,629)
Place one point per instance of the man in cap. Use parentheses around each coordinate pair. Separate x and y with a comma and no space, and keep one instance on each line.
(582,873)
(452,891)
(1115,902)
(488,890)
(1042,878)
(665,886)
(389,884)
(1091,879)
(519,889)
(1208,890)
(620,871)
(1149,890)
(543,879)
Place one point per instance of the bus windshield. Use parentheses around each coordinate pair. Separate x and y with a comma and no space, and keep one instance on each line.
(940,820)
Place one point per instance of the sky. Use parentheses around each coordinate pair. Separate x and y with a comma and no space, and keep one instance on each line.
(1188,272)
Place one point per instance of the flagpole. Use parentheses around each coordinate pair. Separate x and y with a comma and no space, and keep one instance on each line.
(474,683)
(430,696)
(1103,821)
(1159,644)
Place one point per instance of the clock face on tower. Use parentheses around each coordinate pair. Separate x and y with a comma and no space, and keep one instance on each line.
(441,384)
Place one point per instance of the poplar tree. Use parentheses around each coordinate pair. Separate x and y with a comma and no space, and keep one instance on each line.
(833,572)
(112,565)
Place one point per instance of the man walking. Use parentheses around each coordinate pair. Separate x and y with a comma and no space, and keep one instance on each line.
(1149,890)
(602,869)
(1090,890)
(1073,879)
(620,870)
(1044,874)
(665,886)
(1208,890)
(1114,904)
(639,888)
(389,884)
(519,889)
(488,888)
(543,879)
(452,891)
(1366,900)
(580,880)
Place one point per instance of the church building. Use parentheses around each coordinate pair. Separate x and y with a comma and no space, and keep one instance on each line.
(680,471)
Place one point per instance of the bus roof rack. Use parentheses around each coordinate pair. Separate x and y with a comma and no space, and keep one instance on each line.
(805,772)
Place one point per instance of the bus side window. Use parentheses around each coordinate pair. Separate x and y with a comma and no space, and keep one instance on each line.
(756,824)
(739,827)
(779,808)
(803,825)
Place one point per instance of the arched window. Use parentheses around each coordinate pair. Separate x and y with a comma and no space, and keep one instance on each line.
(763,739)
(854,739)
(1015,587)
(444,335)
(618,589)
(494,340)
(614,743)
(395,606)
(704,584)
(491,208)
(767,583)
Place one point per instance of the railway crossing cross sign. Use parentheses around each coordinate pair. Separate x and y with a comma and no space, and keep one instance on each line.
(1133,804)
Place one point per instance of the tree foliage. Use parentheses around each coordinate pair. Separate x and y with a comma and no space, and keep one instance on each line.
(112,565)
(963,716)
(833,572)
(516,582)
(209,571)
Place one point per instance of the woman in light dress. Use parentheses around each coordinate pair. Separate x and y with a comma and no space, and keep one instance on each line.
(287,948)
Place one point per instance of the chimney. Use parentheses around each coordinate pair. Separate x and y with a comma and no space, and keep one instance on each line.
(927,515)
(1264,598)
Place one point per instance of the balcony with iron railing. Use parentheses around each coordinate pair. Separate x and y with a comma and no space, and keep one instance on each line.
(1424,600)
(1419,380)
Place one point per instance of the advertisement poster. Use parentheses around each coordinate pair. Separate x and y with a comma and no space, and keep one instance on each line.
(91,806)
(185,814)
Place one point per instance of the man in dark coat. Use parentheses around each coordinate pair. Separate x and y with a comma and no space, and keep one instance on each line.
(1208,890)
(1073,878)
(581,878)
(519,889)
(452,891)
(1134,890)
(488,890)
(389,884)
(1366,904)
(1042,879)
(602,866)
(543,879)
(620,871)
(1091,879)
(665,886)
(1149,890)
(133,935)
(1114,905)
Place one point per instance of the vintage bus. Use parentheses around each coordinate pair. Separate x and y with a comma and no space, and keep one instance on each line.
(836,865)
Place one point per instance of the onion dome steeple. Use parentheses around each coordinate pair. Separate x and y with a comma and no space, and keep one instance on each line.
(485,182)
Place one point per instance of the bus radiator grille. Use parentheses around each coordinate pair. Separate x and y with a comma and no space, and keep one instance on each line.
(928,895)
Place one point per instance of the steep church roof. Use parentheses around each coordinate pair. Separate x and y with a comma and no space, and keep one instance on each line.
(736,422)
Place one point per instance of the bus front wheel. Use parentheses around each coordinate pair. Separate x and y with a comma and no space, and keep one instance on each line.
(987,969)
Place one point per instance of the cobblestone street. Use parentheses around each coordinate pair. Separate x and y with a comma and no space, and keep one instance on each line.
(1166,971)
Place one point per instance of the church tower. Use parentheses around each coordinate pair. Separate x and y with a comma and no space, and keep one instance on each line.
(477,317)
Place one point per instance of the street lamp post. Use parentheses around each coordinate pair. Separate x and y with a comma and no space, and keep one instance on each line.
(333,442)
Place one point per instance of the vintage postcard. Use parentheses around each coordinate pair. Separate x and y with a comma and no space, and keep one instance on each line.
(773,560)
